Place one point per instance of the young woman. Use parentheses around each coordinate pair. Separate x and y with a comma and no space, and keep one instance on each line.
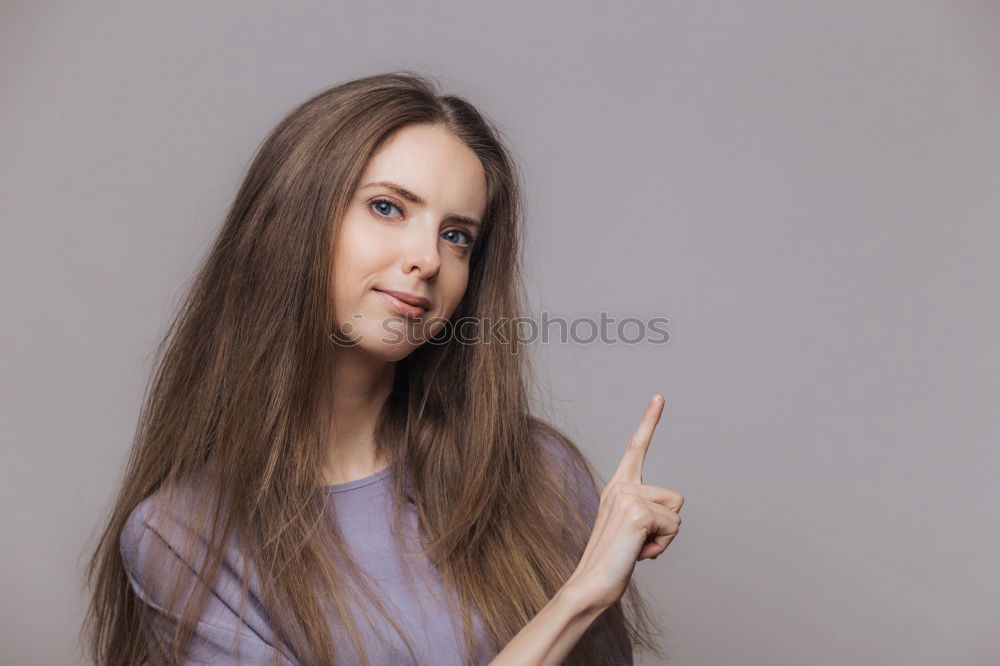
(336,461)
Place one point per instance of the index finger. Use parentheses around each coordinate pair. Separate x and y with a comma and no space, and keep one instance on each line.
(630,468)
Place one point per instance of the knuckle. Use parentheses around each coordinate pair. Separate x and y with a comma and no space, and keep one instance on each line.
(637,513)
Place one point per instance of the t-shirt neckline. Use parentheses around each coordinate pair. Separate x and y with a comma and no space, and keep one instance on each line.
(358,483)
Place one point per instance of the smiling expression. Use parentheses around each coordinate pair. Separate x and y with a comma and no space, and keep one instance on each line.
(410,227)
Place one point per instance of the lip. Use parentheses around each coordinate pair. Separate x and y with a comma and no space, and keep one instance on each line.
(404,303)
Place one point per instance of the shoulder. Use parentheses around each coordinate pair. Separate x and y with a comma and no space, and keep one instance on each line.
(565,461)
(167,533)
(171,509)
(560,453)
(167,545)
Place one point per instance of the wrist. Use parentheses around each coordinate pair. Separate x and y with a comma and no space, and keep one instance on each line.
(580,599)
(555,629)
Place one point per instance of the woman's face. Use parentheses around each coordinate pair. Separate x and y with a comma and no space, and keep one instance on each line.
(410,227)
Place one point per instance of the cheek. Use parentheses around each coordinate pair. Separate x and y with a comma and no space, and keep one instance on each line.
(454,286)
(357,247)
(358,255)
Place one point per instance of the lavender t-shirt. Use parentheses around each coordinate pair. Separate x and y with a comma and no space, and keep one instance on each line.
(364,511)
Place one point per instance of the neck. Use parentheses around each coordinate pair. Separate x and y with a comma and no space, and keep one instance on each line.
(361,385)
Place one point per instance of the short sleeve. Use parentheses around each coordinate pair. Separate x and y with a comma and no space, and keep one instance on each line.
(159,549)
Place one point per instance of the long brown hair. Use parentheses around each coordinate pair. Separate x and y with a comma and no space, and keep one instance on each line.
(239,389)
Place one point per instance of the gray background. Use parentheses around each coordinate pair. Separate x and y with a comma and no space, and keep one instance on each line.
(809,192)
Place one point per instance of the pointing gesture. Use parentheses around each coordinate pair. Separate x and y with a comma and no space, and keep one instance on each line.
(633,522)
(630,468)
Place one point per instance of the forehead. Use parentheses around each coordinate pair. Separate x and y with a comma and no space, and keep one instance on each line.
(434,164)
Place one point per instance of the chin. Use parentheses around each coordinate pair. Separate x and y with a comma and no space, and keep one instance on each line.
(389,341)
(390,353)
(385,346)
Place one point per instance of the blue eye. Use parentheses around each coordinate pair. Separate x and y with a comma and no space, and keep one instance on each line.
(386,202)
(468,237)
(381,207)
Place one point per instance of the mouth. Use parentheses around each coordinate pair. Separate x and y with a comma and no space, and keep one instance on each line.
(403,303)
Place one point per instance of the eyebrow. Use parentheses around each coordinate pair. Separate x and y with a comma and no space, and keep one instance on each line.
(410,196)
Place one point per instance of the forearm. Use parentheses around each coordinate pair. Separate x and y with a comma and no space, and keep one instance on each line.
(552,633)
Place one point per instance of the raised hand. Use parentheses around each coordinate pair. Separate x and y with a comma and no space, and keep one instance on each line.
(633,522)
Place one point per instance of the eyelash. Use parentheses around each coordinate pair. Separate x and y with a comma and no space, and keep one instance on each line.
(371,206)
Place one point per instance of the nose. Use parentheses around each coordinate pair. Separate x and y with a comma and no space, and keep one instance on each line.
(421,252)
